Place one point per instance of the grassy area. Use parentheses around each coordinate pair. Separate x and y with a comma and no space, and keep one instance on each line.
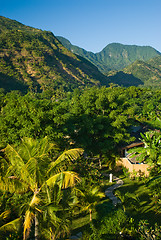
(82,221)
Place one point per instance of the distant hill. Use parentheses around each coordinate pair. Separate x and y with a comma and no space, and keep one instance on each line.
(35,59)
(139,73)
(114,56)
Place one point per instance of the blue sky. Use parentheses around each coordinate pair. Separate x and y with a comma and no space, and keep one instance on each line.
(92,24)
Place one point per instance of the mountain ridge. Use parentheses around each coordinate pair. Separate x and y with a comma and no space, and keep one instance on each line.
(114,56)
(34,59)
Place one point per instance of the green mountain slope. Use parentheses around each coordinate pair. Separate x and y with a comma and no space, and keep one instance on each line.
(35,59)
(83,53)
(147,74)
(114,56)
(117,56)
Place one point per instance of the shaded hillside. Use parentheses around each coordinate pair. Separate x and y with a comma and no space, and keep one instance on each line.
(82,52)
(124,79)
(114,56)
(35,59)
(140,73)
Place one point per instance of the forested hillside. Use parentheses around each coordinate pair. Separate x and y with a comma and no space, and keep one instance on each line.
(35,59)
(140,73)
(114,56)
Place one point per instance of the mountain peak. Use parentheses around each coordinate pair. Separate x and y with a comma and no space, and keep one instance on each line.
(114,56)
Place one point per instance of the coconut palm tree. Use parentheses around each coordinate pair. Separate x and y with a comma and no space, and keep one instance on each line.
(30,169)
(90,198)
(128,200)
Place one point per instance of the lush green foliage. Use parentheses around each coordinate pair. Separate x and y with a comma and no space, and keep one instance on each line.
(94,117)
(31,170)
(110,227)
(100,120)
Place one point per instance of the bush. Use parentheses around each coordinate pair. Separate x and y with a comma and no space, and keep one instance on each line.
(111,226)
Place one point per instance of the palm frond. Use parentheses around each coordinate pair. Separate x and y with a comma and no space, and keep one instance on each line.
(30,147)
(37,148)
(136,150)
(13,155)
(45,146)
(31,166)
(13,184)
(3,165)
(38,210)
(27,223)
(34,201)
(27,152)
(65,179)
(152,180)
(4,215)
(68,156)
(17,166)
(11,226)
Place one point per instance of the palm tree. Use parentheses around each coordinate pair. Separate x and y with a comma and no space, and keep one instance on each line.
(128,200)
(56,213)
(31,169)
(91,197)
(151,152)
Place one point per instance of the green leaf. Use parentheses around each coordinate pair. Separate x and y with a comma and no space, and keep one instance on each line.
(64,179)
(11,226)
